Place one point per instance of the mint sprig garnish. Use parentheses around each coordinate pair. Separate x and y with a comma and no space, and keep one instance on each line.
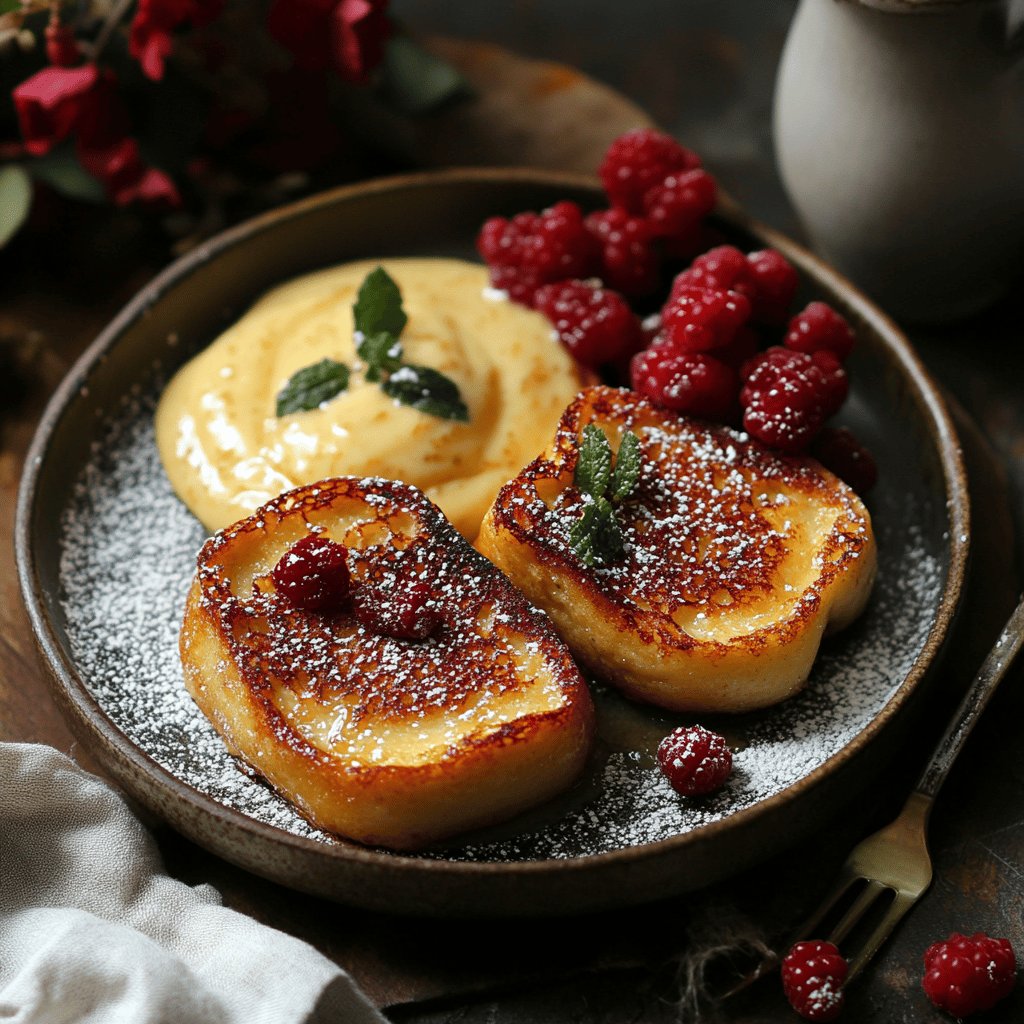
(596,536)
(311,386)
(379,320)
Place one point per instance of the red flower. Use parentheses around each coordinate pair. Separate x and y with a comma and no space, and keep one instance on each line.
(51,103)
(149,40)
(348,35)
(126,178)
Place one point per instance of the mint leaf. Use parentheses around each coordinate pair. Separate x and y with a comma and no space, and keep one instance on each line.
(593,463)
(378,307)
(311,386)
(596,537)
(381,352)
(428,391)
(627,467)
(415,81)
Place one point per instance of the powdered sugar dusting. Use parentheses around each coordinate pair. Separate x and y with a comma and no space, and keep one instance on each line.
(128,555)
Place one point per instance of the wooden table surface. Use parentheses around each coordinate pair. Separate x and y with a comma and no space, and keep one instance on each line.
(704,70)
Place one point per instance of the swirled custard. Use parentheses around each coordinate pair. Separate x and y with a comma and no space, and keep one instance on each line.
(226,451)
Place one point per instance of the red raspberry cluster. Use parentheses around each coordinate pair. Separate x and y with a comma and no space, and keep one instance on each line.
(812,977)
(659,196)
(313,575)
(964,976)
(695,760)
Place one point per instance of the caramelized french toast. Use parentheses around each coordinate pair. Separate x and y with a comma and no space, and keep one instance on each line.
(734,560)
(391,742)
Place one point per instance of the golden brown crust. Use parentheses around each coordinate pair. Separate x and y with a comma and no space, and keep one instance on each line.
(736,561)
(390,742)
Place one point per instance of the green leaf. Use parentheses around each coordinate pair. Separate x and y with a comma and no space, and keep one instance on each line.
(415,81)
(596,537)
(61,170)
(15,200)
(378,307)
(627,466)
(593,463)
(9,6)
(382,353)
(311,386)
(428,391)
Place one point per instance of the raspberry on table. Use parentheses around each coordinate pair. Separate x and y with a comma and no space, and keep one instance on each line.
(313,574)
(813,973)
(629,261)
(838,450)
(639,160)
(404,610)
(819,327)
(704,319)
(675,207)
(787,396)
(688,382)
(533,249)
(776,283)
(695,760)
(595,324)
(964,976)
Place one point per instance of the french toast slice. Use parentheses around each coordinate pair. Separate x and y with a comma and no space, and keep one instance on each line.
(735,561)
(390,742)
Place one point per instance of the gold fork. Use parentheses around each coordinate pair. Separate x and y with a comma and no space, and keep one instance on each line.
(894,863)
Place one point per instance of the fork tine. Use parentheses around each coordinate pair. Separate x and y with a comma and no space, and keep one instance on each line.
(869,894)
(903,902)
(810,927)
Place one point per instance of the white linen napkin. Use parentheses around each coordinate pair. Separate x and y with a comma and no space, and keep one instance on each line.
(92,931)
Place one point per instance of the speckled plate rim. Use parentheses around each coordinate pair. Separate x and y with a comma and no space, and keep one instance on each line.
(118,751)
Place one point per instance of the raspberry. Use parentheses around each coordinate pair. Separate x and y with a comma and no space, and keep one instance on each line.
(676,206)
(812,977)
(704,319)
(789,395)
(819,327)
(838,450)
(687,382)
(776,283)
(595,324)
(405,610)
(533,249)
(741,349)
(695,760)
(313,574)
(637,161)
(968,975)
(722,267)
(629,262)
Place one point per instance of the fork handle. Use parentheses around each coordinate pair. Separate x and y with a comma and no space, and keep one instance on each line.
(989,676)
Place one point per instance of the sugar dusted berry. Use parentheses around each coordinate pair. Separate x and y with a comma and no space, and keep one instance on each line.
(629,261)
(812,977)
(837,449)
(313,575)
(722,267)
(704,319)
(964,976)
(820,327)
(688,382)
(595,324)
(405,610)
(639,160)
(676,206)
(776,282)
(695,760)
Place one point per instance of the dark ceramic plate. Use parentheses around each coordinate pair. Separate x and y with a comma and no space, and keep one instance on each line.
(105,552)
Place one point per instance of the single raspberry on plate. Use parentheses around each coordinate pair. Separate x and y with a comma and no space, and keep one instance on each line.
(819,327)
(704,319)
(812,977)
(686,382)
(722,267)
(595,324)
(965,975)
(637,161)
(776,282)
(629,261)
(405,609)
(313,575)
(533,249)
(676,206)
(838,450)
(787,396)
(695,760)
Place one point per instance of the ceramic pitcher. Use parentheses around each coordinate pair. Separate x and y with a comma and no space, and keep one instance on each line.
(899,131)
